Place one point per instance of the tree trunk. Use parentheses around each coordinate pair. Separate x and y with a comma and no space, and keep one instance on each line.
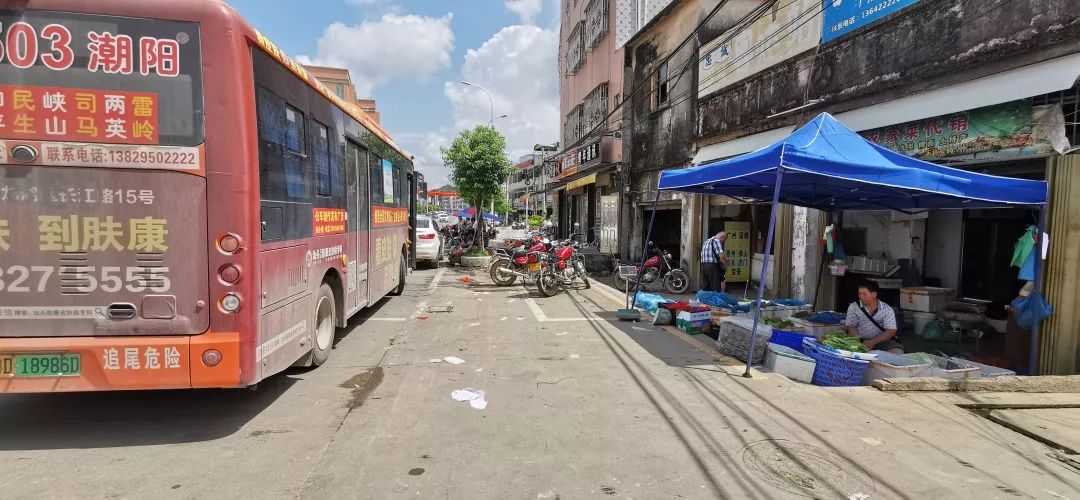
(479,225)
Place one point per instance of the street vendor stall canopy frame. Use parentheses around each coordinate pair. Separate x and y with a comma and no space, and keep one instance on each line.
(827,166)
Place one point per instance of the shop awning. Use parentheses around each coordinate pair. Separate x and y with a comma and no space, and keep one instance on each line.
(828,166)
(582,182)
(1020,83)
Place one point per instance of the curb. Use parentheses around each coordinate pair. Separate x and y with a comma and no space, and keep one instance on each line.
(1037,384)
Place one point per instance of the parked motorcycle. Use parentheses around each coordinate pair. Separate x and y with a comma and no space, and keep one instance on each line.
(658,267)
(560,267)
(520,261)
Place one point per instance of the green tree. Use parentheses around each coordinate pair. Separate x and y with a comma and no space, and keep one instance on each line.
(502,207)
(479,168)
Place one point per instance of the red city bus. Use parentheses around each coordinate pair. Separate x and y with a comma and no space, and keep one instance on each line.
(181,204)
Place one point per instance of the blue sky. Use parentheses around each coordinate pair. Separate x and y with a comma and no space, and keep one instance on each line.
(410,55)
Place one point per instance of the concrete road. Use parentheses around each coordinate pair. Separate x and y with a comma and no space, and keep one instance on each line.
(578,406)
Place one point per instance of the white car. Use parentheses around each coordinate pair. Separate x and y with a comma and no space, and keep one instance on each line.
(429,242)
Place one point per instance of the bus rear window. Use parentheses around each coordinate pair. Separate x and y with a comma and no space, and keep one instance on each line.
(106,79)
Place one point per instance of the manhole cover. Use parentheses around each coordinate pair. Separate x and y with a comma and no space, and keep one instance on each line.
(805,470)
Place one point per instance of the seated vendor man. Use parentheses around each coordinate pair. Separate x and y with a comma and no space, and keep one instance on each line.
(873,321)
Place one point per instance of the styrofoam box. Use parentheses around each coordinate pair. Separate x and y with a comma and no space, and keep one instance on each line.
(889,365)
(923,299)
(790,363)
(694,316)
(816,329)
(941,368)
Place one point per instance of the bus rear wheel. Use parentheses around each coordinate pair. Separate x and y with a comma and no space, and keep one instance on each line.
(325,325)
(401,278)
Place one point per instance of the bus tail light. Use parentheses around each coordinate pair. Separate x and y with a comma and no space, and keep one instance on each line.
(211,357)
(229,243)
(427,236)
(230,302)
(229,274)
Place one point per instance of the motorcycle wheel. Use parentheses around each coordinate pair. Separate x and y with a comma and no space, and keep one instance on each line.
(547,283)
(501,278)
(580,268)
(676,281)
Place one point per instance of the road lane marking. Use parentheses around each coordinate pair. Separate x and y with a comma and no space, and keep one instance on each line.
(540,316)
(438,276)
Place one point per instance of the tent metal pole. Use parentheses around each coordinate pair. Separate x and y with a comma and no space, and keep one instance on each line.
(1033,355)
(645,245)
(765,266)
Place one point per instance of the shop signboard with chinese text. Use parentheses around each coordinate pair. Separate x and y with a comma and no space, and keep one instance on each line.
(786,29)
(69,79)
(844,16)
(737,250)
(568,164)
(1011,129)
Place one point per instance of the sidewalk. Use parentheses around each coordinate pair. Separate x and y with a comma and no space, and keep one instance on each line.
(853,442)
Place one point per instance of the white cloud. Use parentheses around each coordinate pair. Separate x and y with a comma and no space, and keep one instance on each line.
(428,159)
(392,47)
(527,9)
(517,66)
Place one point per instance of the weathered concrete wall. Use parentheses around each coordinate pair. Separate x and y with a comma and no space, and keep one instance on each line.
(943,245)
(940,41)
(806,253)
(662,137)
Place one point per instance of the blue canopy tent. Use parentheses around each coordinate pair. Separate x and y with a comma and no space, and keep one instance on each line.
(827,166)
(470,212)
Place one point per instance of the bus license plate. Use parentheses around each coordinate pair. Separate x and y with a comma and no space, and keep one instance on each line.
(535,266)
(40,365)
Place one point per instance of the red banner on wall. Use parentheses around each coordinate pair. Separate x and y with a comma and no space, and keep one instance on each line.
(78,115)
(327,221)
(385,216)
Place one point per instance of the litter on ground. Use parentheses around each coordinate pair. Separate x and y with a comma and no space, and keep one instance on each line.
(475,397)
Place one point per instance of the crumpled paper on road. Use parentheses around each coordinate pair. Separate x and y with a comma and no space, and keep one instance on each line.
(475,397)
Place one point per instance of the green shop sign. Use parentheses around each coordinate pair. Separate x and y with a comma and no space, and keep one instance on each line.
(1010,129)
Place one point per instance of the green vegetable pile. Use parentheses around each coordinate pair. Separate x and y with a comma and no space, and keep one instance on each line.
(838,340)
(803,314)
(778,323)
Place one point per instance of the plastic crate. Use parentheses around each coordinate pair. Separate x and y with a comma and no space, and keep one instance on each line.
(889,365)
(789,338)
(832,369)
(790,363)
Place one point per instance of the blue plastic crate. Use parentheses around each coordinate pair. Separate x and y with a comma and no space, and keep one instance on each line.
(834,370)
(793,340)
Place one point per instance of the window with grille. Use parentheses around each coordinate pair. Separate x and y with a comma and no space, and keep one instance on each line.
(575,49)
(572,129)
(596,23)
(595,107)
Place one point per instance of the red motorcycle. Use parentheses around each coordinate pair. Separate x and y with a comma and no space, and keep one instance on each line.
(658,266)
(560,268)
(506,266)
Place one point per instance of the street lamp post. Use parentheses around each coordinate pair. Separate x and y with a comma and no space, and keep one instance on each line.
(491,110)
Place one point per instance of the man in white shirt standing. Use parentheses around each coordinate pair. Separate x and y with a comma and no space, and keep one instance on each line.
(713,264)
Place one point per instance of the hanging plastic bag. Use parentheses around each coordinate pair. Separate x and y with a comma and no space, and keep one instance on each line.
(1031,310)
